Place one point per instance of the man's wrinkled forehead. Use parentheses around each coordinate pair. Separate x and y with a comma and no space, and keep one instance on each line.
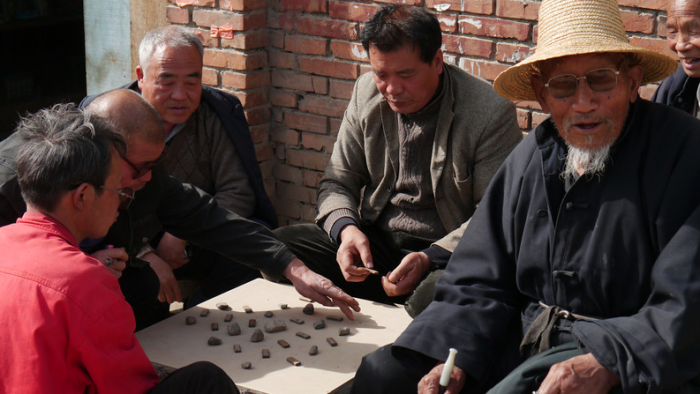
(684,8)
(551,66)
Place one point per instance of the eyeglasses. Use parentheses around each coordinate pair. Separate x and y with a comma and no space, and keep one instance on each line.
(126,194)
(599,80)
(140,172)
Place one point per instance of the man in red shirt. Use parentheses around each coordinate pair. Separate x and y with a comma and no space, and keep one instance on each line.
(65,324)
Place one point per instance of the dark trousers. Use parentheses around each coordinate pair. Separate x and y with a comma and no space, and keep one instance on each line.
(201,377)
(313,246)
(140,288)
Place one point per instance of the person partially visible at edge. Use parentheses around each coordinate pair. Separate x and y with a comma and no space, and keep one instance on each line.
(681,90)
(164,203)
(208,145)
(65,325)
(418,145)
(580,269)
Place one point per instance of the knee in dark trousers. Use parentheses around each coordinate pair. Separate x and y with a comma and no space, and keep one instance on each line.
(384,372)
(201,377)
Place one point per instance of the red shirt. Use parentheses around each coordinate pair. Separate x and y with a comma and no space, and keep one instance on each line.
(64,324)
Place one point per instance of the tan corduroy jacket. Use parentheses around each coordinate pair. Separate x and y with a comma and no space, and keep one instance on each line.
(476,130)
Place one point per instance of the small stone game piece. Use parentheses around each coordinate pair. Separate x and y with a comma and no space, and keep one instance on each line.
(293,361)
(308,309)
(214,341)
(204,313)
(331,341)
(190,320)
(257,336)
(246,365)
(252,323)
(266,353)
(343,331)
(284,306)
(313,351)
(223,306)
(283,343)
(303,335)
(319,324)
(335,318)
(269,314)
(297,321)
(215,326)
(228,317)
(236,348)
(275,325)
(247,309)
(233,329)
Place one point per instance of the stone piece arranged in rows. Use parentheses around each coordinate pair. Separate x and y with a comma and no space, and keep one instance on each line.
(215,326)
(228,317)
(335,318)
(319,324)
(303,335)
(331,341)
(269,314)
(223,306)
(247,309)
(190,320)
(343,331)
(252,323)
(297,321)
(284,306)
(204,313)
(308,309)
(233,329)
(246,365)
(283,343)
(257,336)
(293,361)
(214,341)
(236,348)
(275,325)
(266,353)
(313,351)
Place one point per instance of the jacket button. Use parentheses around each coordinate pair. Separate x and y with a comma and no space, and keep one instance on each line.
(569,206)
(680,99)
(144,239)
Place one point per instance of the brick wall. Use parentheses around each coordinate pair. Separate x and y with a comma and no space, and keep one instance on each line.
(293,64)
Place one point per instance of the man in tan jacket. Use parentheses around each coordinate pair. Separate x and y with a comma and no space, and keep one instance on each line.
(417,148)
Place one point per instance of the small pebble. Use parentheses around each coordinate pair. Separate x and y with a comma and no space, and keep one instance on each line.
(215,326)
(223,306)
(246,365)
(214,341)
(275,325)
(343,331)
(257,336)
(228,317)
(266,353)
(247,309)
(308,309)
(233,329)
(297,321)
(204,313)
(293,361)
(303,335)
(252,323)
(190,320)
(284,306)
(236,348)
(269,314)
(283,343)
(313,351)
(320,324)
(335,318)
(331,341)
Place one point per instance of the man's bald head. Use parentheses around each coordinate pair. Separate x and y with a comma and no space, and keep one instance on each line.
(132,115)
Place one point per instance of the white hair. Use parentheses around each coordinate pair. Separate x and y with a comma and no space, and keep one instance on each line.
(172,36)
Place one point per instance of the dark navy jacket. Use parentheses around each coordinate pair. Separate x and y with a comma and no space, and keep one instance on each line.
(678,91)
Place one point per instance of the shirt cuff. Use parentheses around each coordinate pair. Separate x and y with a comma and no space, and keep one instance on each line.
(438,256)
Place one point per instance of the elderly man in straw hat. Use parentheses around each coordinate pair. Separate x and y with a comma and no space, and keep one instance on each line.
(580,270)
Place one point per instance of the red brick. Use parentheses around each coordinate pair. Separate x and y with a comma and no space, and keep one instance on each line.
(283,98)
(320,143)
(198,3)
(323,105)
(537,118)
(349,50)
(659,5)
(523,117)
(177,15)
(240,22)
(210,77)
(638,22)
(311,178)
(243,81)
(655,44)
(253,21)
(365,68)
(529,104)
(494,28)
(258,115)
(357,12)
(277,114)
(276,38)
(242,5)
(335,126)
(287,208)
(467,46)
(297,192)
(206,38)
(484,69)
(311,6)
(407,2)
(648,90)
(518,9)
(260,133)
(235,60)
(282,59)
(248,40)
(320,85)
(484,7)
(287,136)
(448,22)
(306,159)
(341,89)
(661,26)
(291,80)
(308,212)
(329,68)
(305,45)
(284,21)
(264,152)
(306,122)
(253,98)
(287,173)
(327,28)
(509,53)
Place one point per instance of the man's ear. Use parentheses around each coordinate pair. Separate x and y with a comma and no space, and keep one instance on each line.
(139,76)
(538,87)
(438,61)
(81,194)
(635,75)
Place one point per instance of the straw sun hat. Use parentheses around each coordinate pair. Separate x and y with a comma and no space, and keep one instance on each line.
(577,27)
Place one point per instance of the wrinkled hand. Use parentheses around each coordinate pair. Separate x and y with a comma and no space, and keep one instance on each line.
(407,276)
(118,256)
(169,288)
(353,254)
(320,289)
(581,374)
(172,250)
(430,384)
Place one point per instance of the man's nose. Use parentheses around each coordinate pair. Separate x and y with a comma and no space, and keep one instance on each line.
(179,92)
(682,42)
(394,87)
(584,98)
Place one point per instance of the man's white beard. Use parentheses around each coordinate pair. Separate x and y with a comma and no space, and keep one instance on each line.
(591,162)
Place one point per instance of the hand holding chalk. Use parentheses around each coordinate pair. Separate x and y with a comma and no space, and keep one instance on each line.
(447,370)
